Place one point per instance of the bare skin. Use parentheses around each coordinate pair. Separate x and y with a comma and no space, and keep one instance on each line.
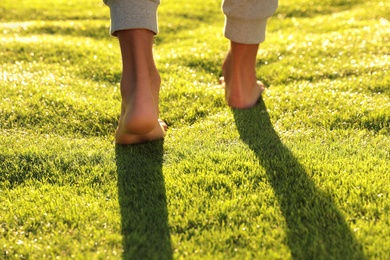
(140,86)
(242,89)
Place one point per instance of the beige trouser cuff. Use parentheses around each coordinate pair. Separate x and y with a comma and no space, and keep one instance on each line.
(245,31)
(245,20)
(133,14)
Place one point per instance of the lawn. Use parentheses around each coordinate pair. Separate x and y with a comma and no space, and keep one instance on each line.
(303,175)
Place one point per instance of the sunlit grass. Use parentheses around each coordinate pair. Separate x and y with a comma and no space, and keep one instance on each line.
(303,175)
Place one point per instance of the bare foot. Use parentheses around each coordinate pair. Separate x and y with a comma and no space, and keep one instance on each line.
(124,137)
(139,121)
(242,89)
(240,103)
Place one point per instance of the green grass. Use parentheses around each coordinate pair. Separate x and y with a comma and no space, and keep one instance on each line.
(303,175)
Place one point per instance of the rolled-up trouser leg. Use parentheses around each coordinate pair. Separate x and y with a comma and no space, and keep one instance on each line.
(246,20)
(133,14)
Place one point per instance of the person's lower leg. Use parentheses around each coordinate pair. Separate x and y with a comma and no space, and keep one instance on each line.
(140,85)
(239,70)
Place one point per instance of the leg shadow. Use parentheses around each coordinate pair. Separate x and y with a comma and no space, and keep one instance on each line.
(143,203)
(315,227)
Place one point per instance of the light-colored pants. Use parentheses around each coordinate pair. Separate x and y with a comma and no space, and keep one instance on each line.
(245,20)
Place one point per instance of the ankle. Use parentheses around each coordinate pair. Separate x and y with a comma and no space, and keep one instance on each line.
(140,84)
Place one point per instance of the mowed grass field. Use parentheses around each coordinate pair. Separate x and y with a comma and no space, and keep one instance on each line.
(303,175)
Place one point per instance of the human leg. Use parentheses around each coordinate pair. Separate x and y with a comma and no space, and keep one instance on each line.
(134,22)
(140,86)
(242,89)
(245,27)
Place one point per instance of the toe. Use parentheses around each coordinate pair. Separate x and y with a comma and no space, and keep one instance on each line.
(221,80)
(163,124)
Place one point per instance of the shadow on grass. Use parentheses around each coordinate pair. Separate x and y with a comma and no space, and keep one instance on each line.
(142,200)
(315,227)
